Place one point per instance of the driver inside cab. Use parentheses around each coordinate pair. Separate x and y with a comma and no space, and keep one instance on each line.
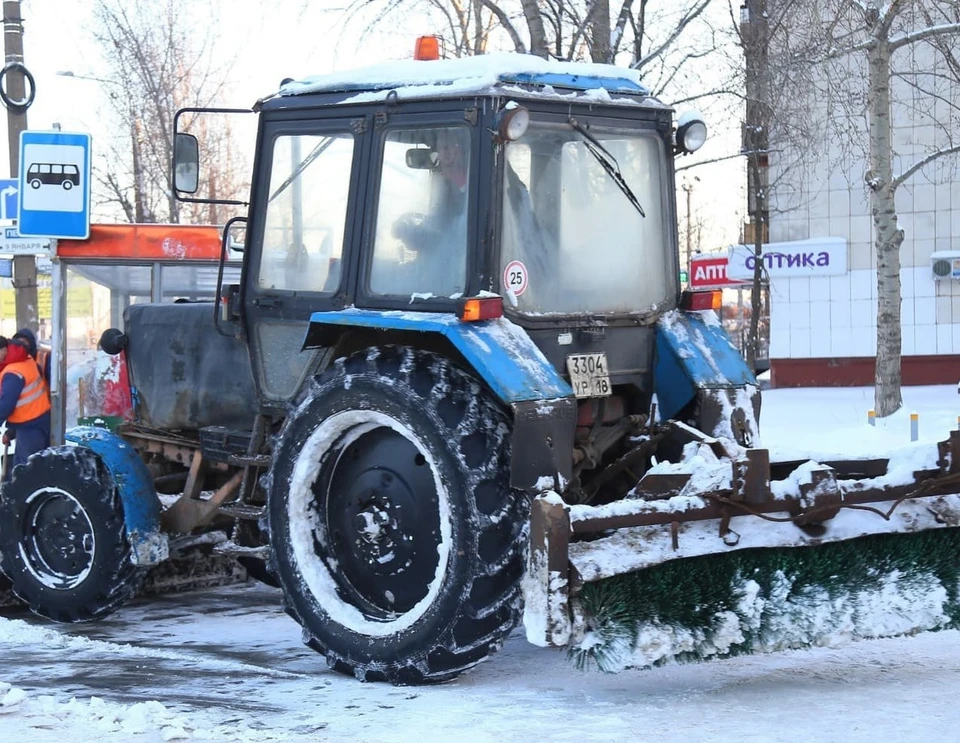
(431,227)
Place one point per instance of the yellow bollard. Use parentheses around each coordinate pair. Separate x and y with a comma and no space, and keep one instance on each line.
(872,418)
(914,426)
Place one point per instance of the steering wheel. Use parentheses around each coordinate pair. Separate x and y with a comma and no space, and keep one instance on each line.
(408,224)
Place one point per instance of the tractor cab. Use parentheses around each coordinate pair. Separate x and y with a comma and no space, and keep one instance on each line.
(543,189)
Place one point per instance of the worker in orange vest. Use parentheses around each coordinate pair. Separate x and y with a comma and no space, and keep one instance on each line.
(24,401)
(41,355)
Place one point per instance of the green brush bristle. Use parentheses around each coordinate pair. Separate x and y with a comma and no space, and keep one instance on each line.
(804,596)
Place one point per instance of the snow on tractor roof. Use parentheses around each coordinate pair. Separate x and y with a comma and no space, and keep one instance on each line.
(472,75)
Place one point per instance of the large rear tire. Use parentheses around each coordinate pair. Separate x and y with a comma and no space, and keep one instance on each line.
(63,539)
(396,537)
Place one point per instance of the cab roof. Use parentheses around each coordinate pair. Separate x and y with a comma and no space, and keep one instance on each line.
(489,74)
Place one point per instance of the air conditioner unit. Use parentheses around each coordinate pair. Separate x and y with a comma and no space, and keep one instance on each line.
(945,264)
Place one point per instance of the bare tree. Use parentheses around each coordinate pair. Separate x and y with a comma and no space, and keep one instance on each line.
(156,64)
(766,88)
(905,50)
(774,91)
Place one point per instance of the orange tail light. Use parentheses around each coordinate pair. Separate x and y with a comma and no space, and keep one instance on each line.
(481,308)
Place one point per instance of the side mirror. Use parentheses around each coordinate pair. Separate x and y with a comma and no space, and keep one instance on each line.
(186,163)
(420,158)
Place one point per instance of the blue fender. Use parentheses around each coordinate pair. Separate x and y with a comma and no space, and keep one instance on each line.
(500,352)
(141,507)
(695,353)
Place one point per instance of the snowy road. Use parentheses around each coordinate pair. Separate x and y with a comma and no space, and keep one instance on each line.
(239,672)
(228,664)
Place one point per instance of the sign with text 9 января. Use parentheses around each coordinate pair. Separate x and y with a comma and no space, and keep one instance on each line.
(54,185)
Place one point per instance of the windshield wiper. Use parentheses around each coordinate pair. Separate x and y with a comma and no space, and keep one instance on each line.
(608,162)
(314,154)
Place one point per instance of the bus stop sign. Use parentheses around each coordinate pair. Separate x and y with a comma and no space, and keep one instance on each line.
(54,185)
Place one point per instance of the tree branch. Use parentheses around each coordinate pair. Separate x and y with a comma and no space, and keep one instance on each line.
(617,37)
(582,27)
(507,25)
(690,16)
(899,180)
(924,33)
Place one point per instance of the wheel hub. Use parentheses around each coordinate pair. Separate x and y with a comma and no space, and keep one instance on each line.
(382,516)
(58,544)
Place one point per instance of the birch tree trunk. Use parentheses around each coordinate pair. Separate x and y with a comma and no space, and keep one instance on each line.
(538,36)
(756,285)
(600,50)
(880,181)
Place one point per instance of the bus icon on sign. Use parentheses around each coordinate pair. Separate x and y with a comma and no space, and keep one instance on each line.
(53,174)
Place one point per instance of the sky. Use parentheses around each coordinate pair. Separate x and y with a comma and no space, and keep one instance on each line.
(263,43)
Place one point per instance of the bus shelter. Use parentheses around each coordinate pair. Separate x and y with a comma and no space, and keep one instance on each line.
(92,281)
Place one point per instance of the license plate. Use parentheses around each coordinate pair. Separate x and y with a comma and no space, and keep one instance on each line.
(589,375)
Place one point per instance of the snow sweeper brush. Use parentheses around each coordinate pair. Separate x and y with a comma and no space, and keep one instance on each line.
(712,557)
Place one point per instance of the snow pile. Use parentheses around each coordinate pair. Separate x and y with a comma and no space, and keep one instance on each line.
(707,472)
(148,718)
(464,75)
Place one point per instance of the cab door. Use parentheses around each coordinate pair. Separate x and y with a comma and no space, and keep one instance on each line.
(419,250)
(301,243)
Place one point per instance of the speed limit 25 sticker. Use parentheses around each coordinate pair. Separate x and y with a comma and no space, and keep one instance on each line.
(515,277)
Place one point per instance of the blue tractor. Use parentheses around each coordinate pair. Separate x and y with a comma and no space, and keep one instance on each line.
(433,391)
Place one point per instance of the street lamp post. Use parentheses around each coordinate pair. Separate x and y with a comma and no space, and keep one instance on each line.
(687,187)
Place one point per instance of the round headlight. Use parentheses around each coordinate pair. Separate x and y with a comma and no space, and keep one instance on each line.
(694,136)
(691,132)
(512,122)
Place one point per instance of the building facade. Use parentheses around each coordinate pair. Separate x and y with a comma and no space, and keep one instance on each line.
(823,320)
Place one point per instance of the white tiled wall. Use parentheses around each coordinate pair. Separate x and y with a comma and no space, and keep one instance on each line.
(835,316)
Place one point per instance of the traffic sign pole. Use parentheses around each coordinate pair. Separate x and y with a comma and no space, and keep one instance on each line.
(24,266)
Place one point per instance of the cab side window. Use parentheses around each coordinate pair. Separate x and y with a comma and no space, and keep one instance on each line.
(420,245)
(306,213)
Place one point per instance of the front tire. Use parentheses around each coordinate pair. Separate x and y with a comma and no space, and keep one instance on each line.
(63,539)
(395,534)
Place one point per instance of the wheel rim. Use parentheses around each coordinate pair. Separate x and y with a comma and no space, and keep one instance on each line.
(67,185)
(35,183)
(58,543)
(382,521)
(338,495)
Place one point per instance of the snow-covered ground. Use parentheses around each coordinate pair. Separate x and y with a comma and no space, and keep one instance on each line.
(825,423)
(228,664)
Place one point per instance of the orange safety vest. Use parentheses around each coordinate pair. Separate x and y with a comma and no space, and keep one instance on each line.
(34,399)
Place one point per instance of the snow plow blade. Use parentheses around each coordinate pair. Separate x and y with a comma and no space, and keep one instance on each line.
(722,559)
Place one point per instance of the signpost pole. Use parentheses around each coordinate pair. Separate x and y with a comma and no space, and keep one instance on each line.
(58,355)
(24,266)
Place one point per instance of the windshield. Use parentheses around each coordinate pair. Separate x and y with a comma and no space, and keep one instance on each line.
(573,242)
